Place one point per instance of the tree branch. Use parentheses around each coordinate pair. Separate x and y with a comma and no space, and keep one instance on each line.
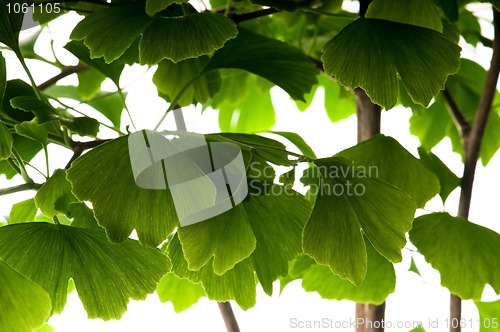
(228,316)
(458,117)
(65,72)
(237,18)
(80,147)
(22,187)
(472,147)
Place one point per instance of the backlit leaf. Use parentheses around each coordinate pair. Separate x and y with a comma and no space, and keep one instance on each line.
(489,316)
(382,51)
(182,293)
(450,243)
(106,275)
(23,211)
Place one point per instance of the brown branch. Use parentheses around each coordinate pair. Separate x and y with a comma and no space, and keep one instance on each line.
(472,147)
(22,187)
(237,18)
(228,316)
(65,72)
(80,147)
(457,115)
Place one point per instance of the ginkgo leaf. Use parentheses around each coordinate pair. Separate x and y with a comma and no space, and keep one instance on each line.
(423,13)
(106,275)
(181,292)
(3,76)
(26,147)
(6,142)
(450,243)
(201,33)
(387,160)
(153,7)
(278,62)
(266,226)
(489,316)
(23,211)
(347,205)
(23,305)
(56,190)
(236,284)
(380,281)
(121,25)
(383,51)
(120,205)
(33,130)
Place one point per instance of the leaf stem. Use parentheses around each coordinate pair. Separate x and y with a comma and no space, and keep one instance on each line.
(228,316)
(65,72)
(19,188)
(458,116)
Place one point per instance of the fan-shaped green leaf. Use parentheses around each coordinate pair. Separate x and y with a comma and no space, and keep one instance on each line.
(24,305)
(450,243)
(56,190)
(380,281)
(298,142)
(106,275)
(181,292)
(23,211)
(382,51)
(121,25)
(489,316)
(387,160)
(422,13)
(347,204)
(120,206)
(278,62)
(201,33)
(153,7)
(33,130)
(6,142)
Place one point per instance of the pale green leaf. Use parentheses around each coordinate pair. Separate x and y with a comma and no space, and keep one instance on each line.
(182,293)
(23,211)
(450,243)
(278,62)
(106,275)
(347,205)
(422,13)
(121,206)
(382,51)
(24,305)
(89,83)
(489,316)
(384,158)
(380,281)
(6,142)
(419,328)
(430,124)
(201,33)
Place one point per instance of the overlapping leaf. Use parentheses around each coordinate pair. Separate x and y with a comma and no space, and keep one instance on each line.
(182,293)
(27,149)
(489,316)
(387,160)
(106,275)
(382,51)
(23,211)
(278,62)
(6,142)
(121,206)
(23,305)
(450,243)
(347,205)
(201,33)
(380,281)
(57,190)
(266,227)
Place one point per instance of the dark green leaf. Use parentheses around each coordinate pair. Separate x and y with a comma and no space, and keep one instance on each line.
(201,33)
(121,25)
(380,281)
(31,129)
(121,206)
(382,51)
(23,211)
(449,8)
(153,7)
(447,179)
(43,111)
(422,13)
(14,89)
(26,147)
(6,142)
(384,158)
(106,275)
(24,305)
(57,189)
(10,25)
(3,77)
(181,292)
(298,142)
(271,59)
(347,204)
(450,243)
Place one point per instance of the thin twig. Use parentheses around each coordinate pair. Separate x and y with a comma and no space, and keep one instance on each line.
(65,72)
(80,147)
(472,147)
(22,187)
(237,18)
(228,316)
(457,115)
